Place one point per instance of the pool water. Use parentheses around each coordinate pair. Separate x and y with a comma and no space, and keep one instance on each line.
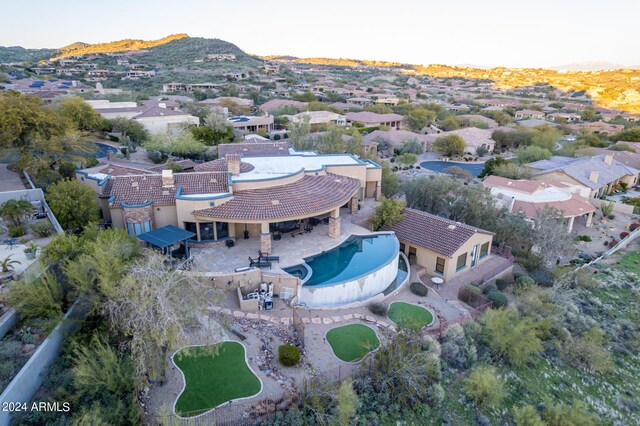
(353,258)
(440,166)
(103,150)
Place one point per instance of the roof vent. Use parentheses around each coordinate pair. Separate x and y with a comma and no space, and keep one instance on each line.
(134,184)
(452,227)
(165,193)
(275,202)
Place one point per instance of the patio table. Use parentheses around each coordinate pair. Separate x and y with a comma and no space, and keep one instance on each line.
(437,282)
(10,242)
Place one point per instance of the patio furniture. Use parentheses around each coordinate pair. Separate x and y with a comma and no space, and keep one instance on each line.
(258,263)
(293,234)
(277,236)
(267,258)
(437,282)
(229,243)
(308,229)
(10,243)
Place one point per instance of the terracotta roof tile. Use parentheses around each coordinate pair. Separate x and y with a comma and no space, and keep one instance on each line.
(141,189)
(306,196)
(220,165)
(433,233)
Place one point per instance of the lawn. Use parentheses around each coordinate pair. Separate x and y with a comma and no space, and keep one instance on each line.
(352,342)
(214,375)
(409,316)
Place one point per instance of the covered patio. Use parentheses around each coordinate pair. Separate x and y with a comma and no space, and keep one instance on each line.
(291,248)
(166,238)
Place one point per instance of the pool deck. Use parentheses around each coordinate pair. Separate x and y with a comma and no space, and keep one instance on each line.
(291,250)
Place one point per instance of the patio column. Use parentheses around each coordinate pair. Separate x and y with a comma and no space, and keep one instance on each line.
(378,191)
(354,205)
(265,238)
(570,225)
(334,223)
(589,218)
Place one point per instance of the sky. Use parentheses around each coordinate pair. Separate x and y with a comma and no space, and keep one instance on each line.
(513,33)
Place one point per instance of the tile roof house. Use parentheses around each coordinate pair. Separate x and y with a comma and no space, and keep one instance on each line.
(600,173)
(237,193)
(444,247)
(276,104)
(529,197)
(372,119)
(254,148)
(396,138)
(474,138)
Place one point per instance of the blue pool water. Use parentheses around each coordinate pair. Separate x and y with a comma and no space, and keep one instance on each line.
(103,150)
(440,166)
(353,258)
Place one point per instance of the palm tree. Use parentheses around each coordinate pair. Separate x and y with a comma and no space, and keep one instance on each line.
(7,263)
(14,211)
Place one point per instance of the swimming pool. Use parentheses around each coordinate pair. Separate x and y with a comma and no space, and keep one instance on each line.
(439,166)
(103,150)
(359,268)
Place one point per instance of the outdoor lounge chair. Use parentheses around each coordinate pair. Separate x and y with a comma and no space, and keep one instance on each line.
(258,263)
(267,258)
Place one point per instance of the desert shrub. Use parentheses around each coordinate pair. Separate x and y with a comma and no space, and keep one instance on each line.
(498,298)
(634,226)
(562,414)
(42,229)
(585,238)
(418,289)
(510,336)
(588,351)
(90,162)
(624,234)
(15,231)
(378,309)
(484,386)
(525,280)
(518,274)
(502,284)
(611,217)
(288,355)
(457,348)
(542,276)
(473,288)
(435,394)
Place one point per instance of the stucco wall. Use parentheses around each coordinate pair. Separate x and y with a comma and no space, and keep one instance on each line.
(427,258)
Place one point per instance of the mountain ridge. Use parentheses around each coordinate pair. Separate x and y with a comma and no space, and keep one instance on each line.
(115,46)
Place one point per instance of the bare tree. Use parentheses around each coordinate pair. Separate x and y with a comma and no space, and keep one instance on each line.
(161,309)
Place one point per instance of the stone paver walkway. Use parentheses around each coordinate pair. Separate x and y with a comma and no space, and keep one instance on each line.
(9,181)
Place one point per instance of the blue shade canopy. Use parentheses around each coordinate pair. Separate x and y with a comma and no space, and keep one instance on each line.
(166,236)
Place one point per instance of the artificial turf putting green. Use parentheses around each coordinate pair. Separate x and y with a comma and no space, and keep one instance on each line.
(213,375)
(409,316)
(352,342)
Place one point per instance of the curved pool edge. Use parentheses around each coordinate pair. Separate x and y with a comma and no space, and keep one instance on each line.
(310,270)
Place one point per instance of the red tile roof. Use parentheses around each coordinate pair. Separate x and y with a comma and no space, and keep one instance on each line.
(433,233)
(309,195)
(142,189)
(575,206)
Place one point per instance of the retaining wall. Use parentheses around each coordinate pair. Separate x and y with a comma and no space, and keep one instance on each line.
(7,320)
(25,384)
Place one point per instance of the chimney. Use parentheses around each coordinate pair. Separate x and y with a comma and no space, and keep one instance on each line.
(233,164)
(608,159)
(167,178)
(593,177)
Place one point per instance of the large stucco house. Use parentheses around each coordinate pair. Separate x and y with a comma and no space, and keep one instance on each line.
(225,198)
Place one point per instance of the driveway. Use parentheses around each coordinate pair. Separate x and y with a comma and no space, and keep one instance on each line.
(9,181)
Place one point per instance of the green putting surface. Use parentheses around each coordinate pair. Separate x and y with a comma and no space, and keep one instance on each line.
(409,316)
(213,375)
(352,342)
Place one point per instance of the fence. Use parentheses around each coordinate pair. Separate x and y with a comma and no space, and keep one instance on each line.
(25,384)
(617,207)
(243,413)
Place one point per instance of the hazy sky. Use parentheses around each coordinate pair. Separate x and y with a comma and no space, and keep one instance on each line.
(480,32)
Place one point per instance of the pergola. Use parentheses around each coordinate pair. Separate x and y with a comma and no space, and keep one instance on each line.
(168,236)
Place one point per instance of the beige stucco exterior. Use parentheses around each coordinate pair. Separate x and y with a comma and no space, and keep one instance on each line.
(428,258)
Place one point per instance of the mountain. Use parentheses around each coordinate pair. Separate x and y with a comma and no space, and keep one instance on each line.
(188,49)
(20,54)
(591,66)
(75,46)
(117,46)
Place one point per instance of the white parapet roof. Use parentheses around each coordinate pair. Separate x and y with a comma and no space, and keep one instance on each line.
(269,167)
